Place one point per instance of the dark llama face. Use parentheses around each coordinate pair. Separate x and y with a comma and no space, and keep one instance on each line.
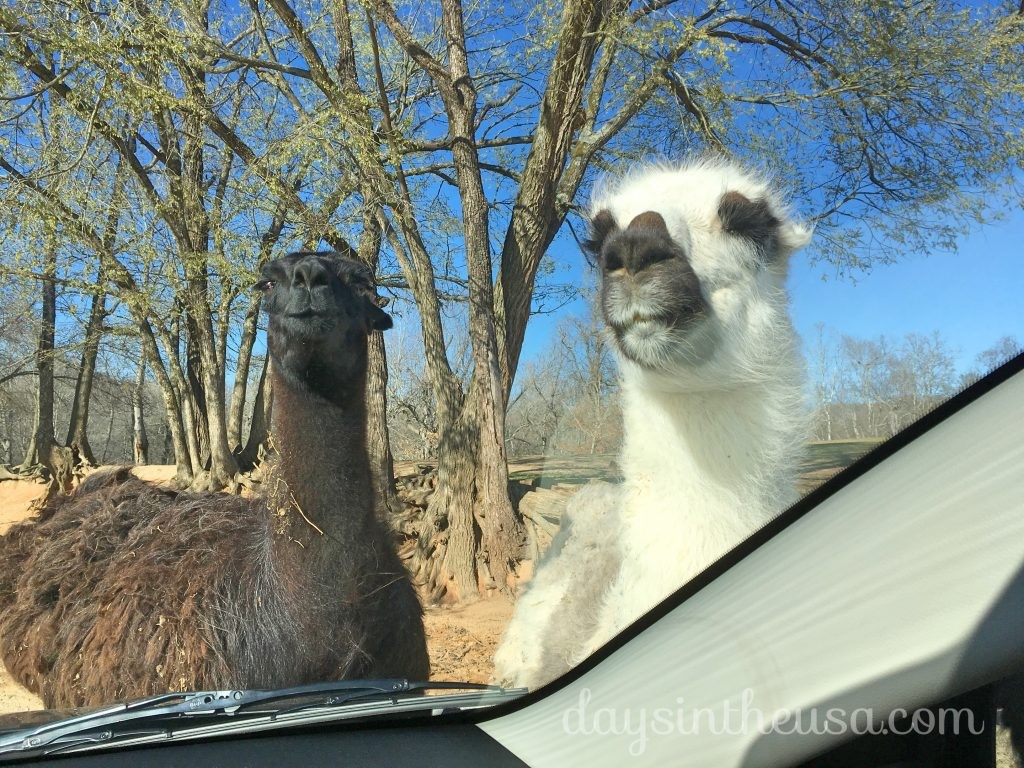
(655,295)
(321,308)
(650,294)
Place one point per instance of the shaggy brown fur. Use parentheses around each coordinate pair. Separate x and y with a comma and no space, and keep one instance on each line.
(125,589)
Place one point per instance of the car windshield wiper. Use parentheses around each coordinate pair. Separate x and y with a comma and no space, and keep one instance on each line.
(155,715)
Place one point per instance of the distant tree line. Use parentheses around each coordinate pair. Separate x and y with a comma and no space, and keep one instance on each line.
(566,399)
(128,423)
(873,388)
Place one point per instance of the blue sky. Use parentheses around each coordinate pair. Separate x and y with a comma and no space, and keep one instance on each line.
(973,297)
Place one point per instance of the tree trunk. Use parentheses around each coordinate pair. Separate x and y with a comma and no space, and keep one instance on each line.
(450,544)
(79,421)
(140,442)
(167,445)
(43,448)
(249,328)
(6,443)
(503,533)
(382,464)
(78,427)
(501,530)
(177,391)
(172,410)
(222,467)
(473,524)
(188,422)
(473,540)
(105,455)
(196,392)
(42,432)
(259,429)
(241,383)
(549,181)
(194,240)
(484,533)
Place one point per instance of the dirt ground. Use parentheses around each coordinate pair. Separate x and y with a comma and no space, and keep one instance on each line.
(460,640)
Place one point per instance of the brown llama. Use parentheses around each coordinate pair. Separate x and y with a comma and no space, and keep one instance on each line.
(125,589)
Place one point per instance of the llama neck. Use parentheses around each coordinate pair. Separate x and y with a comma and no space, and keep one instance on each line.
(320,476)
(713,453)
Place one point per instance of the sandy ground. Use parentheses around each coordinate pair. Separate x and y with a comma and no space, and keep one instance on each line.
(461,640)
(15,500)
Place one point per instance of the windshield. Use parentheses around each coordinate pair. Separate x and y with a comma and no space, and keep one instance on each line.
(440,343)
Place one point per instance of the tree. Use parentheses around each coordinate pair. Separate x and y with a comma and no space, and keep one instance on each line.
(140,441)
(923,375)
(186,194)
(566,401)
(78,429)
(447,145)
(991,358)
(60,461)
(826,378)
(866,388)
(16,353)
(592,373)
(538,404)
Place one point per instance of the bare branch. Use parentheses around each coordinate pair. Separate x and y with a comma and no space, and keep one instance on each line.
(447,143)
(437,168)
(685,98)
(386,12)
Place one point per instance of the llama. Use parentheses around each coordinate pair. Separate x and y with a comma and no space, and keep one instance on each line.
(125,589)
(557,613)
(693,262)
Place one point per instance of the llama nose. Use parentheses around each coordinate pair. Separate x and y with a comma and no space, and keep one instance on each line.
(643,257)
(309,274)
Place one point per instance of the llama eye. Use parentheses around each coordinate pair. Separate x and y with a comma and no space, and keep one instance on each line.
(654,255)
(612,262)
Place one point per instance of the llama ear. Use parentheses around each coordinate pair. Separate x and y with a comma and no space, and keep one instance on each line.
(360,279)
(601,225)
(379,319)
(747,218)
(793,237)
(651,221)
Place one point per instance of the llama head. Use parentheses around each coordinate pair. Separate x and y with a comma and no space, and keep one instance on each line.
(321,309)
(693,265)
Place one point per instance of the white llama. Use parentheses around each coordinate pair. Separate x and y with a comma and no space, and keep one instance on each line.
(693,262)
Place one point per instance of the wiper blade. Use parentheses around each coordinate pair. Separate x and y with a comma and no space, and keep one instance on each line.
(108,723)
(369,690)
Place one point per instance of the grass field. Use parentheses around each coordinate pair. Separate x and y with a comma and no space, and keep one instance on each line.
(546,471)
(822,460)
(836,454)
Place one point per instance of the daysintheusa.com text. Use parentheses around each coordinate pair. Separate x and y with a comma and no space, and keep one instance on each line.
(732,718)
